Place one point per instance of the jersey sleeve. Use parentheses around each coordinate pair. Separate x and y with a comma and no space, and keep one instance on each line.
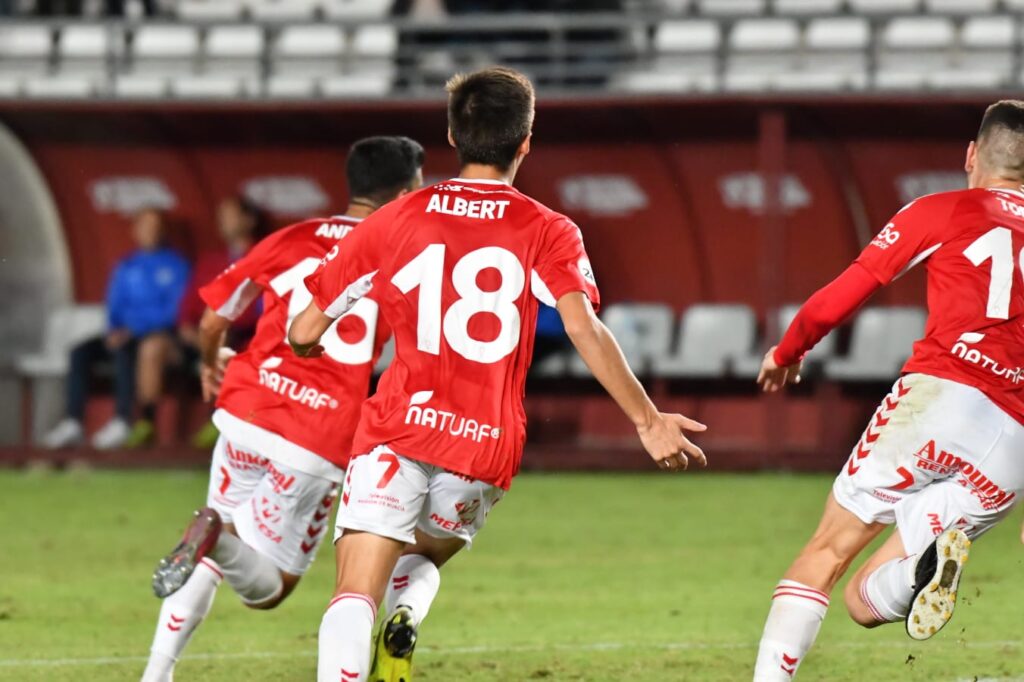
(563,266)
(909,238)
(347,272)
(234,289)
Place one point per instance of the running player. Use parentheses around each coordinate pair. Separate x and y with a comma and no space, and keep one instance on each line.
(458,270)
(940,459)
(286,425)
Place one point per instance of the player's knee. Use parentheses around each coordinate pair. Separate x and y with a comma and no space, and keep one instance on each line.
(289,582)
(855,606)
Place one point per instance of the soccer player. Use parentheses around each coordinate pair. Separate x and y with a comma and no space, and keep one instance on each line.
(459,270)
(286,425)
(940,459)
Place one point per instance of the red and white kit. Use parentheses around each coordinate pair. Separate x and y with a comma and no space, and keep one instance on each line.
(458,270)
(943,449)
(287,423)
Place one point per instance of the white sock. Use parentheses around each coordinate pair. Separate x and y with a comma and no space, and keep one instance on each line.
(793,623)
(414,584)
(180,615)
(888,590)
(254,577)
(346,639)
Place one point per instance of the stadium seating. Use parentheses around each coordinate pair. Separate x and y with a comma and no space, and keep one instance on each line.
(338,48)
(879,345)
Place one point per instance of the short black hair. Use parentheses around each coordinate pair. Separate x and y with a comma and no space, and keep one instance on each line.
(1007,114)
(490,113)
(1001,140)
(379,168)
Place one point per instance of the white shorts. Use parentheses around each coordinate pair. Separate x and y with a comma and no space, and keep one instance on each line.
(277,510)
(390,495)
(937,454)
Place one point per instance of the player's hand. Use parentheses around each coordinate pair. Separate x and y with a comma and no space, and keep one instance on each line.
(772,377)
(316,351)
(664,440)
(211,378)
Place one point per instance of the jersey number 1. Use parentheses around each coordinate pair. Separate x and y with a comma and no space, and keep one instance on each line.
(997,245)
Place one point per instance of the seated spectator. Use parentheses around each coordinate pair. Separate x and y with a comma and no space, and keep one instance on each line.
(240,224)
(143,296)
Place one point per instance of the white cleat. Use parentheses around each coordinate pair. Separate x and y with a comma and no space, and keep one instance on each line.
(112,436)
(937,576)
(67,434)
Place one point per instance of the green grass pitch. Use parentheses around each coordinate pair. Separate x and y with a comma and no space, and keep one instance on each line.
(576,577)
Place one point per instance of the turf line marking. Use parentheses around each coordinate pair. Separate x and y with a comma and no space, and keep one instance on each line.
(469,650)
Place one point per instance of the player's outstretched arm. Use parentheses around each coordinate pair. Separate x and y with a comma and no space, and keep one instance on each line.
(661,434)
(213,329)
(306,329)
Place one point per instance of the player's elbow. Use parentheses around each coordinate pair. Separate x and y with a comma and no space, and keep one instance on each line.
(212,324)
(303,334)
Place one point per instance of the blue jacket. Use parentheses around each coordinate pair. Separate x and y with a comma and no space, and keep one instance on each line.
(145,291)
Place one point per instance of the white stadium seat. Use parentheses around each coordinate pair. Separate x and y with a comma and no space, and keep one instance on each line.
(880,343)
(78,86)
(731,7)
(987,32)
(308,50)
(378,40)
(25,49)
(291,86)
(165,49)
(283,10)
(711,338)
(356,85)
(838,33)
(769,35)
(643,330)
(884,6)
(209,10)
(356,9)
(960,6)
(675,6)
(804,7)
(66,328)
(141,86)
(688,36)
(217,86)
(234,50)
(906,33)
(85,49)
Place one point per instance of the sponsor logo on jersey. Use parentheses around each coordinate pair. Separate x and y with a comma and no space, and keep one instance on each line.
(989,493)
(450,423)
(887,237)
(481,209)
(286,195)
(962,349)
(291,389)
(128,194)
(747,191)
(602,195)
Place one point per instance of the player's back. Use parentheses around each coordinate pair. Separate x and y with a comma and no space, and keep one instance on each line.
(310,402)
(459,269)
(972,242)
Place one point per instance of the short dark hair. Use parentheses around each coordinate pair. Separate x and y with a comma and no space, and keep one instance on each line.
(379,168)
(490,113)
(1001,138)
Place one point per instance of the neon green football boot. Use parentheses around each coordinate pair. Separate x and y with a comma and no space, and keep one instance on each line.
(392,658)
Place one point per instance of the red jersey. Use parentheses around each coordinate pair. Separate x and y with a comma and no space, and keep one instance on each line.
(300,411)
(972,242)
(458,270)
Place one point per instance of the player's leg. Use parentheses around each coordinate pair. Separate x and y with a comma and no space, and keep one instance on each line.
(380,503)
(455,511)
(801,598)
(189,596)
(279,530)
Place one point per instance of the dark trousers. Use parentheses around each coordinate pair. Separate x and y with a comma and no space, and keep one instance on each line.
(84,359)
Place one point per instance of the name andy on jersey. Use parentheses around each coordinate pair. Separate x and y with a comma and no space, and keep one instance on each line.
(481,209)
(448,422)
